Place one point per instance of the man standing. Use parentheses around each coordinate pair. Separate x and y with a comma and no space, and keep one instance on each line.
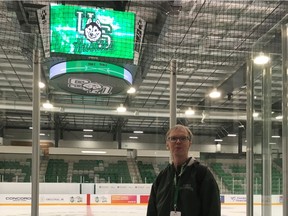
(185,187)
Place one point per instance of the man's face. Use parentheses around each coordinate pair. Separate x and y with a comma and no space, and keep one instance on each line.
(178,142)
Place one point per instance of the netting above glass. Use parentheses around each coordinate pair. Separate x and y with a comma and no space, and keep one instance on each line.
(210,41)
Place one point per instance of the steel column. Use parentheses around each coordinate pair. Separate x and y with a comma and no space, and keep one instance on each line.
(36,133)
(285,117)
(173,92)
(250,138)
(266,137)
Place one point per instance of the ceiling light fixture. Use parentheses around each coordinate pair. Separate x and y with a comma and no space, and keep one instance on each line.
(88,135)
(215,94)
(131,90)
(138,132)
(47,105)
(121,108)
(189,112)
(41,85)
(93,152)
(87,130)
(231,135)
(218,140)
(261,59)
(255,114)
(133,137)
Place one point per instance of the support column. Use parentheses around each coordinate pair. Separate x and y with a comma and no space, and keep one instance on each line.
(57,129)
(1,136)
(173,92)
(119,125)
(35,133)
(119,138)
(285,117)
(250,138)
(240,139)
(266,137)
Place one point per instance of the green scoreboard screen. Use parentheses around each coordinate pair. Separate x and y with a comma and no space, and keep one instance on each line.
(91,31)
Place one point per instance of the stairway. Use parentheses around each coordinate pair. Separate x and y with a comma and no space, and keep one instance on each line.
(134,171)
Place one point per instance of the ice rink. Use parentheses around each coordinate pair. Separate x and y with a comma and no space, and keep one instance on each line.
(118,210)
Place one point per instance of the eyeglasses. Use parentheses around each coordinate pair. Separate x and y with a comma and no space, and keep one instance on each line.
(181,139)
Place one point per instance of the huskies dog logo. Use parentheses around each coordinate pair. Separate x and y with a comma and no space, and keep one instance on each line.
(97,33)
(93,31)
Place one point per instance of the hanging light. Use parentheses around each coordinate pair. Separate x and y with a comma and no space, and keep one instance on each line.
(47,105)
(255,114)
(41,85)
(131,90)
(189,112)
(261,59)
(215,93)
(121,108)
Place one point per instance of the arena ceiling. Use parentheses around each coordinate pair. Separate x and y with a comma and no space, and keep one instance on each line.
(211,42)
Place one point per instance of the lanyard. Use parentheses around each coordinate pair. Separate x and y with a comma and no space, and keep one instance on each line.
(176,185)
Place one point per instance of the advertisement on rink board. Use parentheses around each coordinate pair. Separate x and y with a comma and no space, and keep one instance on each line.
(15,198)
(122,188)
(105,194)
(51,199)
(100,199)
(118,199)
(113,199)
(77,199)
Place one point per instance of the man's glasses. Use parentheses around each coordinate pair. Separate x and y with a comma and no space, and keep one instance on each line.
(181,139)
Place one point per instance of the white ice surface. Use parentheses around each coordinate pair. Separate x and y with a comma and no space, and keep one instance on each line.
(115,210)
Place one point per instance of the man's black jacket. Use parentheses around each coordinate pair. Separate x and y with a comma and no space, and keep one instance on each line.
(198,192)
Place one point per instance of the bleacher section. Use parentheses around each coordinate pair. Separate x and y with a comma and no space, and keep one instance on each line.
(15,171)
(56,171)
(147,172)
(98,171)
(276,181)
(232,175)
(161,166)
(229,173)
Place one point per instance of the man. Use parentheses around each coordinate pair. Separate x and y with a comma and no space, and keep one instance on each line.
(185,187)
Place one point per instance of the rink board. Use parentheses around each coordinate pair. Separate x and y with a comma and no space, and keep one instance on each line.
(115,199)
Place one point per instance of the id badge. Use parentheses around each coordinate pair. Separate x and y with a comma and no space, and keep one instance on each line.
(175,213)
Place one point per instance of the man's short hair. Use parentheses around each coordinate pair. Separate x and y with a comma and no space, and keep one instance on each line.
(179,126)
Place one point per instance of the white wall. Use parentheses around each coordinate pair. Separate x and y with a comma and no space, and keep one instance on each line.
(87,144)
(76,145)
(79,151)
(44,188)
(16,149)
(103,140)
